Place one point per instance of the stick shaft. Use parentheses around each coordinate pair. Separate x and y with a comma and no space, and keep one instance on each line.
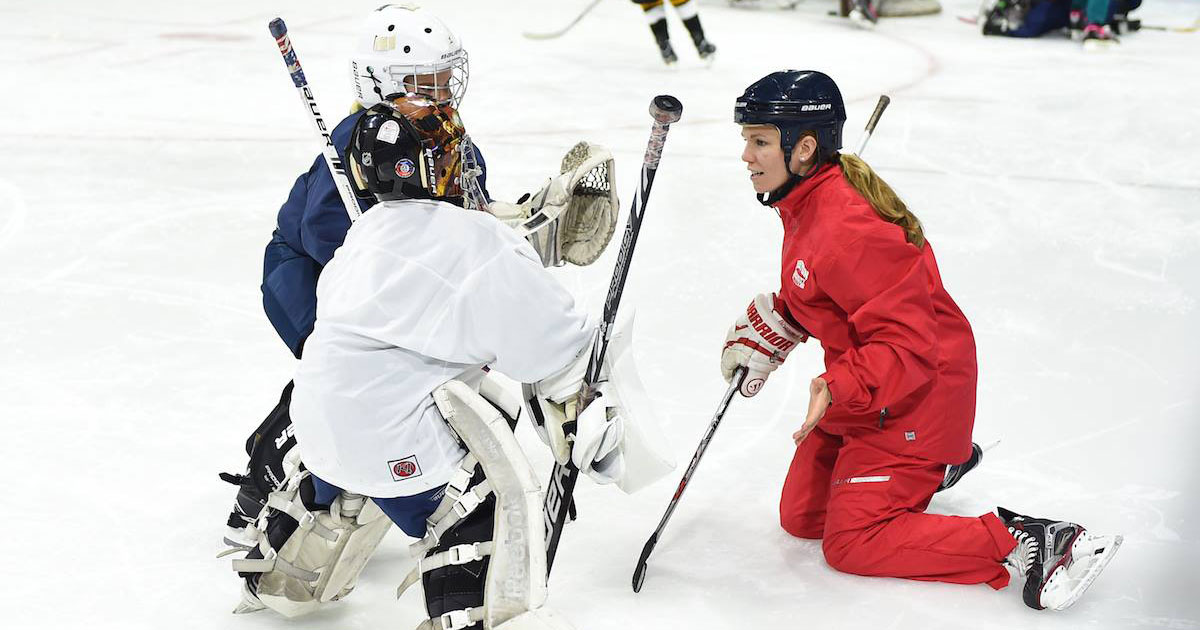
(563,31)
(639,574)
(560,490)
(884,101)
(332,159)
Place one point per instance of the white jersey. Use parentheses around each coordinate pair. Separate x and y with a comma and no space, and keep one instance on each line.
(420,293)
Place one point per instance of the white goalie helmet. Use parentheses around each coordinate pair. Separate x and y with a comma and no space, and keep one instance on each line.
(403,49)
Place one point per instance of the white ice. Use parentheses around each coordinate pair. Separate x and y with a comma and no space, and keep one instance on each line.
(148,146)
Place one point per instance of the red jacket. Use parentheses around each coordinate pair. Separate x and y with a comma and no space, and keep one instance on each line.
(899,354)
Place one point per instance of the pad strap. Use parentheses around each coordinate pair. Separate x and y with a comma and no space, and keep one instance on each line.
(454,620)
(307,520)
(458,554)
(274,563)
(457,511)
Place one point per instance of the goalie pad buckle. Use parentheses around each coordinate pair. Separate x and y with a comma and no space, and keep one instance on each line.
(483,562)
(307,553)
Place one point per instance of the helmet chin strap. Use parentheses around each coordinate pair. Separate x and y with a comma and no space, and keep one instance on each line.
(777,195)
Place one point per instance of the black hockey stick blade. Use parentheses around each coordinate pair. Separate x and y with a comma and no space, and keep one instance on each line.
(639,573)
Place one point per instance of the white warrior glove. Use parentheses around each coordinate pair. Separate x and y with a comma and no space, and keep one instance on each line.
(573,217)
(759,340)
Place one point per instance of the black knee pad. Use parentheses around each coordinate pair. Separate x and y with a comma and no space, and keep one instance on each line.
(456,587)
(265,473)
(281,526)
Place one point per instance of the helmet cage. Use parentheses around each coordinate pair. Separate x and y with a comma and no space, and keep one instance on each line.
(444,82)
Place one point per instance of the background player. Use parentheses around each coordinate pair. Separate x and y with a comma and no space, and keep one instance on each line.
(656,17)
(896,402)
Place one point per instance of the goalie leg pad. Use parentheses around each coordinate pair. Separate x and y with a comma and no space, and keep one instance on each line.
(309,552)
(484,557)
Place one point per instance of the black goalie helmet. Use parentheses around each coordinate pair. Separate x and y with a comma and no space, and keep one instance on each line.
(408,148)
(795,101)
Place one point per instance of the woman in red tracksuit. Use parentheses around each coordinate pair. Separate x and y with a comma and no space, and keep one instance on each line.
(896,402)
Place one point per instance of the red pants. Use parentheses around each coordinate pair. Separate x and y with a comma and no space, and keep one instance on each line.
(868,506)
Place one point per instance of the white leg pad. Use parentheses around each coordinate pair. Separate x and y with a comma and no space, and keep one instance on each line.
(322,559)
(516,577)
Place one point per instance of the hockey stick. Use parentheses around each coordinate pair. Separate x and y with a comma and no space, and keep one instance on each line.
(563,31)
(332,160)
(559,491)
(639,573)
(884,101)
(1192,28)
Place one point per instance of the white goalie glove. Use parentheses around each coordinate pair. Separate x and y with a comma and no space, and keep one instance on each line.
(573,217)
(616,438)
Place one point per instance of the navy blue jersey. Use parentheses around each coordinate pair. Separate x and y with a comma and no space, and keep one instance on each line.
(312,224)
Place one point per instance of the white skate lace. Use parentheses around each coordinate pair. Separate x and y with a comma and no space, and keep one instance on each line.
(1023,556)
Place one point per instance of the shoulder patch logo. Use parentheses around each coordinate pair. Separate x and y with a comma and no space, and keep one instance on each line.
(403,469)
(800,275)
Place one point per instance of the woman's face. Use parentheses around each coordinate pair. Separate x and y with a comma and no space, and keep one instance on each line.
(764,158)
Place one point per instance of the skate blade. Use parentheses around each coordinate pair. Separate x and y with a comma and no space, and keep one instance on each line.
(249,603)
(1096,564)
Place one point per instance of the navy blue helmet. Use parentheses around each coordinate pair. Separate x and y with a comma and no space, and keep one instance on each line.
(796,101)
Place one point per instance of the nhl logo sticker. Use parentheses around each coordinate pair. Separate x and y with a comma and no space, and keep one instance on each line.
(405,168)
(403,469)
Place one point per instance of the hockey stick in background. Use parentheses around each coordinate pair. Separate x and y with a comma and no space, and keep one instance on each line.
(563,31)
(639,573)
(332,160)
(559,491)
(884,101)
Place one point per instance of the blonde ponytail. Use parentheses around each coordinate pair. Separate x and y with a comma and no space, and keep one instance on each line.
(881,197)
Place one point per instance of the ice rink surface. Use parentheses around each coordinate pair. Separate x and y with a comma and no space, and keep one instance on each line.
(148,146)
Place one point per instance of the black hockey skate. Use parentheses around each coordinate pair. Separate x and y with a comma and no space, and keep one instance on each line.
(1059,560)
(668,52)
(703,46)
(863,13)
(958,471)
(999,17)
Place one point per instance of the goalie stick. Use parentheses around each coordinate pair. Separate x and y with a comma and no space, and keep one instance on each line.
(559,491)
(639,572)
(563,31)
(332,160)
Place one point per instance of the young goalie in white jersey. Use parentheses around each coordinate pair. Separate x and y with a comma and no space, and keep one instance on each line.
(422,299)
